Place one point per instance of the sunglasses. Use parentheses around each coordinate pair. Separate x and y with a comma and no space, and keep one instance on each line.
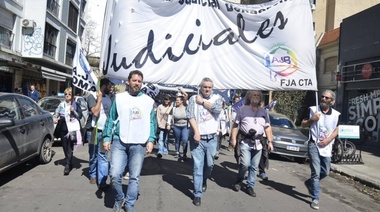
(325,97)
(67,94)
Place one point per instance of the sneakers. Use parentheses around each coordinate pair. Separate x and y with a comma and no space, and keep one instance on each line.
(230,148)
(177,155)
(237,186)
(308,185)
(251,192)
(263,176)
(92,180)
(314,204)
(197,201)
(159,155)
(126,176)
(118,206)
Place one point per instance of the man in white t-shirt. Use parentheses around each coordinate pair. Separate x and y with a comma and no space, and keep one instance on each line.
(203,114)
(251,122)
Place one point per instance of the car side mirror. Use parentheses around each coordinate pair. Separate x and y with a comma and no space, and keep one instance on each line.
(6,122)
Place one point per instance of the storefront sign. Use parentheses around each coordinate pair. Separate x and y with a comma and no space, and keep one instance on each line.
(364,110)
(349,131)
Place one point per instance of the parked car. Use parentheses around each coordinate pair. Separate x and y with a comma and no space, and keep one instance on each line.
(26,131)
(51,103)
(287,139)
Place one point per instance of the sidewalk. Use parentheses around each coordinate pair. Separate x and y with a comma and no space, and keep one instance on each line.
(367,173)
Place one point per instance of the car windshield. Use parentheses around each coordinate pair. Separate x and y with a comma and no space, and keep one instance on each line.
(49,104)
(281,122)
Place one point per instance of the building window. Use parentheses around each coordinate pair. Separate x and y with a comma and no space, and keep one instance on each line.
(53,7)
(81,30)
(70,51)
(330,67)
(73,17)
(82,7)
(5,37)
(50,40)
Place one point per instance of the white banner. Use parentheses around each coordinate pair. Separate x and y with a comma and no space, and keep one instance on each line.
(83,75)
(266,46)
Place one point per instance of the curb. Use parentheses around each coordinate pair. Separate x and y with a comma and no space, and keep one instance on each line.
(359,179)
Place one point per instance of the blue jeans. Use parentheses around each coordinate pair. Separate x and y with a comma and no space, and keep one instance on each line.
(320,168)
(122,155)
(203,161)
(249,160)
(103,165)
(163,147)
(92,152)
(181,135)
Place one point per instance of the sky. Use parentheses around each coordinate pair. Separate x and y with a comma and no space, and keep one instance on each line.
(95,12)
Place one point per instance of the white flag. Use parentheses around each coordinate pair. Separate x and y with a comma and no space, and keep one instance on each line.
(83,75)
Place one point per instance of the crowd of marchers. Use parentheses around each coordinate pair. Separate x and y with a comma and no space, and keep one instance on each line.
(125,126)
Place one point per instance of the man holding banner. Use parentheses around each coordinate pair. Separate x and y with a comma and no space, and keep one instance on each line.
(323,122)
(203,114)
(99,106)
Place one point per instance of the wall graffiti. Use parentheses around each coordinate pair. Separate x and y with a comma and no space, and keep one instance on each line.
(33,43)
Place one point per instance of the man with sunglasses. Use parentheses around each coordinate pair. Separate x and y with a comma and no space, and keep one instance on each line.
(203,114)
(323,122)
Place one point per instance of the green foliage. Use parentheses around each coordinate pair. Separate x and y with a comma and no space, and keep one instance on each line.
(288,102)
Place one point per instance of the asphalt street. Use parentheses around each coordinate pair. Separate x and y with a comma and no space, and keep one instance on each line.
(166,185)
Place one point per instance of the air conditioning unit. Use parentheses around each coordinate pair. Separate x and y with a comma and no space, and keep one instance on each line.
(27,23)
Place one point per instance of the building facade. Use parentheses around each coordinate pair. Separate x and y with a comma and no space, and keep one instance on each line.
(359,59)
(37,43)
(327,16)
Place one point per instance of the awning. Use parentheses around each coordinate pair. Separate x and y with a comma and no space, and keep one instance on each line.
(53,76)
(55,72)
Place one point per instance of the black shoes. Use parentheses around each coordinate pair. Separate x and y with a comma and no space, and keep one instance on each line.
(251,192)
(204,186)
(104,186)
(159,155)
(308,185)
(67,170)
(184,158)
(197,201)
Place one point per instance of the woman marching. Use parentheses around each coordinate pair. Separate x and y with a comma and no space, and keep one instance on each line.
(67,117)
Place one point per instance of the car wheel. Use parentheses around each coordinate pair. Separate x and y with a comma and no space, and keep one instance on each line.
(46,152)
